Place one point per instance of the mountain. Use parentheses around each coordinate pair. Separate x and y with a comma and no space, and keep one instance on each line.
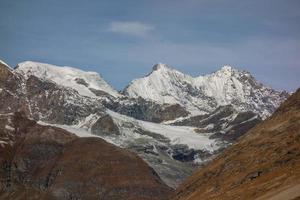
(45,162)
(43,99)
(85,83)
(55,104)
(262,164)
(171,139)
(203,94)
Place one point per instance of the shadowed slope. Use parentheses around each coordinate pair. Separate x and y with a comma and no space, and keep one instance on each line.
(263,164)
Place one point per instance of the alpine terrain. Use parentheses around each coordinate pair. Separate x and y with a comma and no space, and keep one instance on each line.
(173,121)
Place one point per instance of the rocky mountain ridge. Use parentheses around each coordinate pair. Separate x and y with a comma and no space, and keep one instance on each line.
(203,94)
(164,85)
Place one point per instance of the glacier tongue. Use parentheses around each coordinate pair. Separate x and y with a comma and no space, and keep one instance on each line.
(176,134)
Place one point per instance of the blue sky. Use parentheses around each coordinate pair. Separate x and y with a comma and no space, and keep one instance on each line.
(122,39)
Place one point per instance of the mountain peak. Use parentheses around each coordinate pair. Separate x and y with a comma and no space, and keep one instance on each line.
(227,71)
(227,68)
(159,66)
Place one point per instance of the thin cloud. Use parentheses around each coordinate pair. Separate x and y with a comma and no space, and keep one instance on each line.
(130,28)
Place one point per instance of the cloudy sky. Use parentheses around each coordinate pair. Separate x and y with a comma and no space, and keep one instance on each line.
(122,39)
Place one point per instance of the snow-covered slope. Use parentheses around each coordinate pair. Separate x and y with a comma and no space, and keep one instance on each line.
(203,94)
(83,82)
(162,85)
(176,134)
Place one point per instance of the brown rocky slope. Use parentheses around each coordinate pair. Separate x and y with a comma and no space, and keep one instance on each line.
(263,164)
(44,162)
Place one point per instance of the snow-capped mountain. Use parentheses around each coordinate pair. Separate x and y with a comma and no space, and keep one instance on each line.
(203,94)
(89,84)
(152,117)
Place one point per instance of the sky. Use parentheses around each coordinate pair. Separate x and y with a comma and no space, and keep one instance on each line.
(123,39)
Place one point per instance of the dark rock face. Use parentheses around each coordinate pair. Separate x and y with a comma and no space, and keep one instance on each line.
(216,117)
(53,104)
(183,153)
(82,82)
(147,110)
(105,126)
(100,93)
(43,162)
(11,91)
(5,74)
(44,100)
(226,123)
(172,171)
(171,112)
(156,136)
(239,127)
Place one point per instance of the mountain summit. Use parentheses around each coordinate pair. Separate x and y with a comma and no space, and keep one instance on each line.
(159,66)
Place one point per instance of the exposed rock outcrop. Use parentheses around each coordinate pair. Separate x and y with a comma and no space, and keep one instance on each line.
(147,110)
(225,122)
(105,126)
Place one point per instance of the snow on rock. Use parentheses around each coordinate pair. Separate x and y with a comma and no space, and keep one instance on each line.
(203,94)
(3,63)
(176,134)
(83,82)
(84,130)
(165,85)
(162,80)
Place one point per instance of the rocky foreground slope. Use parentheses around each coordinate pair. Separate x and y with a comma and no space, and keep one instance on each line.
(44,162)
(262,164)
